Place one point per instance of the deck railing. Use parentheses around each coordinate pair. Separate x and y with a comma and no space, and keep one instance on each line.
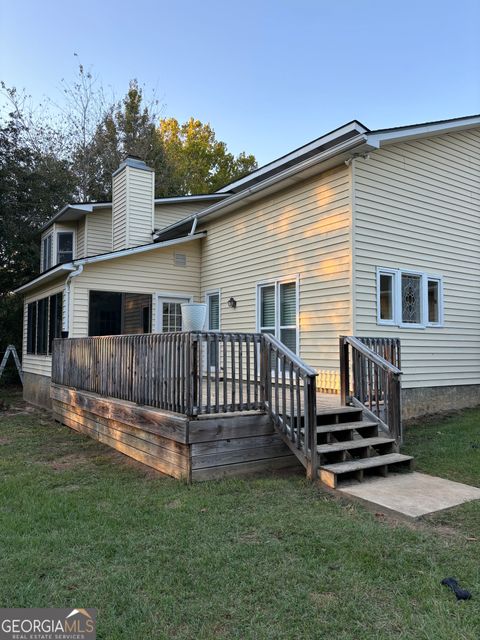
(190,372)
(370,378)
(291,399)
(198,373)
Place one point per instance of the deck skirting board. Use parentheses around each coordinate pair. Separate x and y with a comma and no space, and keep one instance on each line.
(189,449)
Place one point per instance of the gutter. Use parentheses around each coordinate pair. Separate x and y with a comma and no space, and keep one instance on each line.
(75,264)
(287,174)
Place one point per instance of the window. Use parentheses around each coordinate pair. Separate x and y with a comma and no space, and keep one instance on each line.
(113,313)
(64,247)
(409,299)
(44,323)
(386,293)
(277,304)
(55,319)
(171,316)
(434,301)
(47,252)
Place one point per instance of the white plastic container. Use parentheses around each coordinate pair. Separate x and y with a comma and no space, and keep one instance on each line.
(194,316)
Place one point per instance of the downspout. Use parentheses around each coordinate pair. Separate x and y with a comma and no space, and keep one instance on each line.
(194,226)
(66,301)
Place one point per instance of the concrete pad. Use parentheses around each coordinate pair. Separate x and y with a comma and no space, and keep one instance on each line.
(412,494)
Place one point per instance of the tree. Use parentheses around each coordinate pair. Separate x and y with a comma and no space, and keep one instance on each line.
(33,185)
(197,161)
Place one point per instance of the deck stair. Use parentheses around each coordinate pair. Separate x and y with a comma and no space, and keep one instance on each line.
(350,447)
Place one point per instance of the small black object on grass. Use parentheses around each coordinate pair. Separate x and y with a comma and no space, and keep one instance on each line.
(462,594)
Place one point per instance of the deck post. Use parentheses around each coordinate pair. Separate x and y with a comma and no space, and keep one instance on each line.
(310,418)
(344,370)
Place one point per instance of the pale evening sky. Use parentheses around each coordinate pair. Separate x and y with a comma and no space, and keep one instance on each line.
(268,75)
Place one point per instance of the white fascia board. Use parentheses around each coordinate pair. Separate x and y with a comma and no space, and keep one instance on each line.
(81,208)
(380,139)
(135,250)
(62,269)
(311,146)
(206,196)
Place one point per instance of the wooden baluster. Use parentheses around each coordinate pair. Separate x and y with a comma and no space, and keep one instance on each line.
(256,346)
(240,372)
(300,442)
(284,392)
(247,366)
(232,364)
(225,372)
(293,436)
(208,355)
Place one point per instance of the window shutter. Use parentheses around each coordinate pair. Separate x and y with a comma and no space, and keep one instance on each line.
(288,304)
(267,315)
(214,312)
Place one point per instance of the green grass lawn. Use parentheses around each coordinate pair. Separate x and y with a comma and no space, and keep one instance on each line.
(269,557)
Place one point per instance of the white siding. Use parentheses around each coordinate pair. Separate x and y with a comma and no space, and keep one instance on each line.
(147,273)
(98,232)
(304,230)
(417,206)
(41,365)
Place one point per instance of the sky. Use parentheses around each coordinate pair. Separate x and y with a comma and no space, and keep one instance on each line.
(268,75)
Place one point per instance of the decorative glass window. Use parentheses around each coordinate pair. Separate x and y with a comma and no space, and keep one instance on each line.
(409,299)
(64,247)
(277,305)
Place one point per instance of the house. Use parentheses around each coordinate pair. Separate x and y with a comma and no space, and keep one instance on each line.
(369,233)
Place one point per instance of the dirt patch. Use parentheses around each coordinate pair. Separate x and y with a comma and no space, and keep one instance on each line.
(323,598)
(69,461)
(4,441)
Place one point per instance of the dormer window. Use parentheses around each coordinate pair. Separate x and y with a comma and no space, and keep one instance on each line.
(47,252)
(64,247)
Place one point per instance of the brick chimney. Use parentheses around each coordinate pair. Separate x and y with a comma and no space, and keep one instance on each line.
(133,193)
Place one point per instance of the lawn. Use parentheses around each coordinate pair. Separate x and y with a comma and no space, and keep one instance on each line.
(269,557)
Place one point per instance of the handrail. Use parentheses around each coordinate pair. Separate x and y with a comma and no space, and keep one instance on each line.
(283,349)
(289,395)
(371,382)
(372,355)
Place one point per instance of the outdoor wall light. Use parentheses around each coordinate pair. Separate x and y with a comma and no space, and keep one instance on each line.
(232,303)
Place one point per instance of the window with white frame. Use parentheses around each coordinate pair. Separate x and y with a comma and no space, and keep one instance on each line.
(277,305)
(409,298)
(64,247)
(47,243)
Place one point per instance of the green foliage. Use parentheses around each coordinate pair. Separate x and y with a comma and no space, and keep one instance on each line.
(198,162)
(33,185)
(49,159)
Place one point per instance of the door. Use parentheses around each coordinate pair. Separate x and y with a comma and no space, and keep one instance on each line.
(169,313)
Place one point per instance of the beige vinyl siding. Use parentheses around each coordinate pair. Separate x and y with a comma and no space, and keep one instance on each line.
(80,245)
(41,365)
(98,232)
(167,214)
(417,206)
(146,273)
(304,230)
(119,211)
(140,198)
